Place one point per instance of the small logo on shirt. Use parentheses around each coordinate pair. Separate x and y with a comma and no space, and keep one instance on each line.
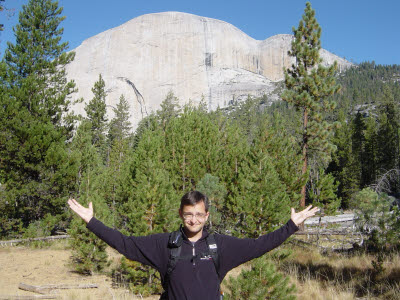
(213,246)
(206,257)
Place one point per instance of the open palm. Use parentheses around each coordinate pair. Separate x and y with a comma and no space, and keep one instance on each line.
(303,215)
(85,213)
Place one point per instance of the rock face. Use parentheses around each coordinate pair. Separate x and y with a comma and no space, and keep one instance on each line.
(194,57)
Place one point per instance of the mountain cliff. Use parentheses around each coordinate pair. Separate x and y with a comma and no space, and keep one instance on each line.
(194,57)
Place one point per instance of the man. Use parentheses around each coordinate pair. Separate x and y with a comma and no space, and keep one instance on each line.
(195,276)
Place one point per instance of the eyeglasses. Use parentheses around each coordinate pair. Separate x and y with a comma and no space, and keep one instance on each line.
(189,216)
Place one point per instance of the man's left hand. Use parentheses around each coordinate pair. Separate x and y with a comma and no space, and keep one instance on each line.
(303,215)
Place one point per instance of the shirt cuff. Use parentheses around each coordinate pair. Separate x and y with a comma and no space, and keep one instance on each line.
(92,223)
(292,227)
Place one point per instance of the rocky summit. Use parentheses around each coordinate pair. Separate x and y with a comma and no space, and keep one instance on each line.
(194,57)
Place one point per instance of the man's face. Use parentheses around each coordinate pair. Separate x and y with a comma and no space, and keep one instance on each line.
(194,217)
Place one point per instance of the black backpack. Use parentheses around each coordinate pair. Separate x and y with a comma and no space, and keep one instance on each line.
(175,246)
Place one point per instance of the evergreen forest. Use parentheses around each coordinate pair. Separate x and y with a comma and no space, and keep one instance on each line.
(249,158)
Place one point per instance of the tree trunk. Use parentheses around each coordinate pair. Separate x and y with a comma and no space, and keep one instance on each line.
(305,163)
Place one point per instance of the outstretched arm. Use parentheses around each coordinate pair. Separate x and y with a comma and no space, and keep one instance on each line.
(85,213)
(149,250)
(237,251)
(303,215)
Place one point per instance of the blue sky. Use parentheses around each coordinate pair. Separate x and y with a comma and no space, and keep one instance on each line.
(358,30)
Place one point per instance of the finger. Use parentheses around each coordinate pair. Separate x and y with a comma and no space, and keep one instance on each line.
(308,207)
(315,209)
(71,203)
(74,209)
(77,204)
(91,206)
(313,212)
(292,211)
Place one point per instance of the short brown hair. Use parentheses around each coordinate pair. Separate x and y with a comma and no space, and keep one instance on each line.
(194,197)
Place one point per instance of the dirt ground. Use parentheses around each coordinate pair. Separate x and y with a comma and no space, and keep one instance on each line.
(50,266)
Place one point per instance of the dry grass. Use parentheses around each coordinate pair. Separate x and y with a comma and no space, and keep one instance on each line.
(41,266)
(342,276)
(316,276)
(312,289)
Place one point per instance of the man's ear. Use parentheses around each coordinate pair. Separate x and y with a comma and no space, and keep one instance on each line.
(180,213)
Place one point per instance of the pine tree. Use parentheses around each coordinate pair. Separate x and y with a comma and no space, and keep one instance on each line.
(358,144)
(149,204)
(192,146)
(259,202)
(323,192)
(120,126)
(266,184)
(34,104)
(232,155)
(119,140)
(341,166)
(169,109)
(261,282)
(234,147)
(151,207)
(215,191)
(247,115)
(278,141)
(388,132)
(369,164)
(88,251)
(377,219)
(97,114)
(308,84)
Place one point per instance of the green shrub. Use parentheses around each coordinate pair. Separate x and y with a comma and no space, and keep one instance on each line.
(88,251)
(377,219)
(140,279)
(41,228)
(261,282)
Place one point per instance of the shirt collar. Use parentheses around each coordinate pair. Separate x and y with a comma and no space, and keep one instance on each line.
(204,234)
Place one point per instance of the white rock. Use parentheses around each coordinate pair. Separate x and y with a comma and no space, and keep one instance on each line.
(192,56)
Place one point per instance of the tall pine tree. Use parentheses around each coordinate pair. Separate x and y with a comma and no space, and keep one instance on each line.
(343,160)
(388,132)
(88,252)
(308,84)
(34,104)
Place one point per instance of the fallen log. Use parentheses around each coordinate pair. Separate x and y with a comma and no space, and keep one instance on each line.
(331,219)
(323,233)
(43,289)
(69,286)
(33,297)
(32,288)
(56,237)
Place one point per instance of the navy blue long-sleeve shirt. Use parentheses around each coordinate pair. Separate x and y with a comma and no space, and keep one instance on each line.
(192,279)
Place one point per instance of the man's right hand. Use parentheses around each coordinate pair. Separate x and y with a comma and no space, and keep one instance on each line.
(85,213)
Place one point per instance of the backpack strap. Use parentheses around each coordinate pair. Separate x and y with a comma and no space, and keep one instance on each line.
(213,249)
(174,246)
